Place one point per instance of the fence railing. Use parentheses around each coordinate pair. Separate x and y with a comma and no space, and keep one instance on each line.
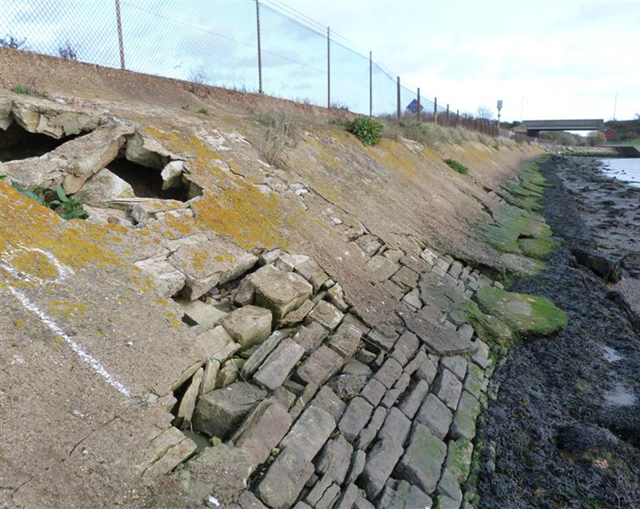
(261,46)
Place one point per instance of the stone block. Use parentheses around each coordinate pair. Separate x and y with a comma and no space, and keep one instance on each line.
(201,313)
(249,325)
(435,415)
(321,365)
(169,281)
(279,291)
(310,432)
(216,343)
(412,401)
(220,411)
(277,366)
(381,461)
(457,365)
(449,486)
(336,296)
(422,460)
(326,315)
(288,262)
(346,339)
(404,496)
(384,340)
(188,402)
(406,278)
(355,418)
(373,392)
(389,372)
(459,453)
(370,244)
(448,388)
(358,461)
(464,420)
(297,315)
(261,353)
(347,498)
(413,298)
(313,273)
(408,344)
(330,403)
(368,434)
(427,371)
(382,268)
(396,427)
(311,336)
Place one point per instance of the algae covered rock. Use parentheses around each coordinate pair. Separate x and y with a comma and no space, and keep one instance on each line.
(488,328)
(526,314)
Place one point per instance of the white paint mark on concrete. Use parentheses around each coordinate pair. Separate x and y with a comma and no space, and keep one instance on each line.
(213,501)
(83,354)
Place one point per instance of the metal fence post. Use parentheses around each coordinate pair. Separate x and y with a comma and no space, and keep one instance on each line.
(435,110)
(260,89)
(120,43)
(457,117)
(329,67)
(398,114)
(447,115)
(370,84)
(419,107)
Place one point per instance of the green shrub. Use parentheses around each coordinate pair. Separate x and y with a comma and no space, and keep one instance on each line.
(204,111)
(67,208)
(367,130)
(457,166)
(26,90)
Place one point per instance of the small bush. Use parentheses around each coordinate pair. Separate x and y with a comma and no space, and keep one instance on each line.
(272,151)
(281,134)
(27,90)
(204,111)
(67,51)
(66,207)
(12,42)
(457,166)
(367,130)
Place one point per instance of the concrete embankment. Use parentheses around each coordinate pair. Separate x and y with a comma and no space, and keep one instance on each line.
(318,331)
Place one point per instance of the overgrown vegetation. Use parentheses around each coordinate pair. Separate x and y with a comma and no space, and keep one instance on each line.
(626,130)
(68,51)
(281,134)
(27,90)
(12,42)
(66,207)
(457,166)
(203,111)
(366,129)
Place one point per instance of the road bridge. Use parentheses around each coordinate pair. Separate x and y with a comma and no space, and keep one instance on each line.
(533,127)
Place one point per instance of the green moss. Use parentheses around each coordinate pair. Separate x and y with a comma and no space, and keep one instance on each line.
(490,329)
(538,248)
(459,458)
(526,314)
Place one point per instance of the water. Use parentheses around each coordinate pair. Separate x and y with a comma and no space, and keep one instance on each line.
(625,169)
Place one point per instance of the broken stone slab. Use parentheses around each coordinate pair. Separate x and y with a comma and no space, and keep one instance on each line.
(347,498)
(381,461)
(382,268)
(263,430)
(412,401)
(201,313)
(337,298)
(427,370)
(277,366)
(249,325)
(481,356)
(288,262)
(226,376)
(147,151)
(358,461)
(166,441)
(297,315)
(326,314)
(406,278)
(301,403)
(355,418)
(374,391)
(207,264)
(188,402)
(168,280)
(332,464)
(330,403)
(438,339)
(279,291)
(435,415)
(261,353)
(172,175)
(248,500)
(174,456)
(351,380)
(370,244)
(220,411)
(413,298)
(269,257)
(209,377)
(449,486)
(313,273)
(407,345)
(396,427)
(422,460)
(382,339)
(457,365)
(369,433)
(346,339)
(103,187)
(448,388)
(321,365)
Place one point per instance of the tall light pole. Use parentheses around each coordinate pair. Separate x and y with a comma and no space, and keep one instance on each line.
(499,111)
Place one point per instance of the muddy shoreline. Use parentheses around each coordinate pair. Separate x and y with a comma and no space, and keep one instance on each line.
(564,431)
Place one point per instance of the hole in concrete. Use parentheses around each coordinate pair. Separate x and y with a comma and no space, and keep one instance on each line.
(147,182)
(17,143)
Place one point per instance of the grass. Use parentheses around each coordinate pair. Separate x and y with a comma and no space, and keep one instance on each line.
(203,111)
(281,134)
(457,166)
(27,90)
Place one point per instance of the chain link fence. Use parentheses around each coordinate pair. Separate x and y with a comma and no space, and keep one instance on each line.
(248,45)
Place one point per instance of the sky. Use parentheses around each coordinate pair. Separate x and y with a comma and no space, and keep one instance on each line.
(543,59)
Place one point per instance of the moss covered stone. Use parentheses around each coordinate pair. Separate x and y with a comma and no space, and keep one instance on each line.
(537,248)
(526,314)
(489,328)
(459,458)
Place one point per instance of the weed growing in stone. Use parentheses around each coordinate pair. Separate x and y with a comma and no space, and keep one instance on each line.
(281,134)
(367,130)
(66,207)
(457,166)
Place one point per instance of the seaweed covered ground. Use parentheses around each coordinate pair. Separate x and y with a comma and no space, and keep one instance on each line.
(564,430)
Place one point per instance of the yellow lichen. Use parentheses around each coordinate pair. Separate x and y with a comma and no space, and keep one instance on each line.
(173,320)
(68,309)
(18,322)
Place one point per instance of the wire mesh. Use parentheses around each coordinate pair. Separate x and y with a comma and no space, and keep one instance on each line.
(216,43)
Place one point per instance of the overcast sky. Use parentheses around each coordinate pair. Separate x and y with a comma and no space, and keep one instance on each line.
(543,59)
(556,59)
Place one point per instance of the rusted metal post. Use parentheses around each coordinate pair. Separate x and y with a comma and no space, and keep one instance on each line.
(419,107)
(447,115)
(120,43)
(435,110)
(398,113)
(260,89)
(328,67)
(370,84)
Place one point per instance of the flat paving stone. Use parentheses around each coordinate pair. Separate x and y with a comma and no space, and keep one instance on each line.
(422,461)
(412,401)
(276,368)
(435,415)
(448,388)
(320,366)
(396,427)
(355,418)
(381,461)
